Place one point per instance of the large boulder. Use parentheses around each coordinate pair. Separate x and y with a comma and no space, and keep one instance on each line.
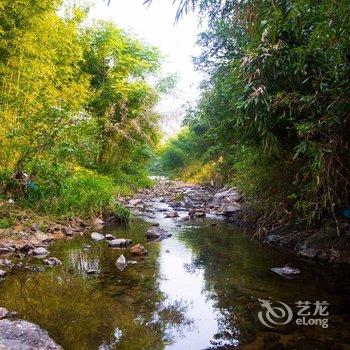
(24,335)
(246,216)
(226,196)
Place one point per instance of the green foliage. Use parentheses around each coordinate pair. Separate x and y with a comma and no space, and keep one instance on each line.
(124,214)
(6,223)
(275,106)
(84,193)
(173,158)
(174,154)
(76,108)
(122,103)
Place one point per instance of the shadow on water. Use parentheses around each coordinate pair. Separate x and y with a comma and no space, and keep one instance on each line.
(198,289)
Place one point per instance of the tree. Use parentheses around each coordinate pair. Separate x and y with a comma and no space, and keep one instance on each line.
(41,83)
(122,101)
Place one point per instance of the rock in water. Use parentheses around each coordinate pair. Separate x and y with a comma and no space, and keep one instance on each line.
(4,313)
(109,237)
(273,239)
(200,214)
(157,233)
(119,242)
(138,250)
(52,261)
(172,214)
(121,263)
(308,253)
(229,211)
(286,272)
(97,236)
(19,334)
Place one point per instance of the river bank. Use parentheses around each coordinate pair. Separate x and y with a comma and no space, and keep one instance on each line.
(195,272)
(322,244)
(193,203)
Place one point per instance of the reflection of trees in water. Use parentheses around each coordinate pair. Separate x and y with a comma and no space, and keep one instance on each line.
(228,283)
(81,262)
(236,273)
(84,313)
(173,320)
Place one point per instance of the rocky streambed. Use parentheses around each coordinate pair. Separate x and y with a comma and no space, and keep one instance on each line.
(184,262)
(324,244)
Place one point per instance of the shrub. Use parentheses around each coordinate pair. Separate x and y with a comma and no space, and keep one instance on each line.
(124,214)
(6,223)
(85,192)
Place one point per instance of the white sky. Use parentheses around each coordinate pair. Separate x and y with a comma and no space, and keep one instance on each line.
(177,42)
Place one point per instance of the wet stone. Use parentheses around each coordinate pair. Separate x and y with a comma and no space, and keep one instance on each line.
(52,262)
(4,313)
(308,253)
(120,242)
(172,214)
(286,271)
(138,250)
(109,237)
(155,232)
(97,236)
(19,334)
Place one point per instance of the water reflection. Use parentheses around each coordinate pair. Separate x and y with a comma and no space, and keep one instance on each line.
(197,290)
(237,273)
(82,263)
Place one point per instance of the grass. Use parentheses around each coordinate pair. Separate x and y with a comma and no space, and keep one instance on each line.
(61,191)
(6,223)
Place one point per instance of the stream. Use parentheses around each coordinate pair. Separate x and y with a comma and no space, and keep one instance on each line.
(196,290)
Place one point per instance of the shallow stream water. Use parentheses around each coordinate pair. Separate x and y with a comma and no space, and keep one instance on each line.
(197,290)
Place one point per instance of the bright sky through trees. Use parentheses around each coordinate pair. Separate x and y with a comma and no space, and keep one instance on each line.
(155,25)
